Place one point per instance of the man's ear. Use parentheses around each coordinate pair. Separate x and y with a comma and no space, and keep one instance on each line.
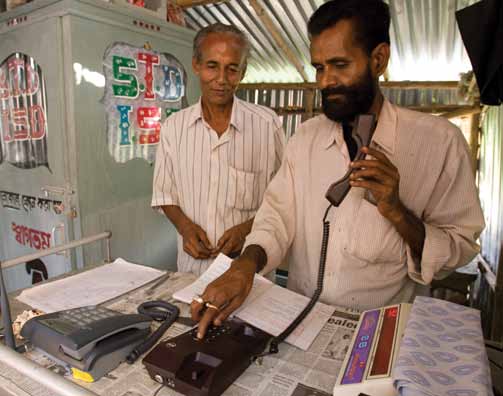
(379,58)
(196,66)
(243,72)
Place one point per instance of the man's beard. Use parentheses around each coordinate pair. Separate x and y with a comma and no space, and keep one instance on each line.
(357,99)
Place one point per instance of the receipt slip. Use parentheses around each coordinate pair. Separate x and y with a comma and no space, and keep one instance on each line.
(373,351)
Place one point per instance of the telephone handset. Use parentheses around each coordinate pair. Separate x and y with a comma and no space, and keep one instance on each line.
(362,134)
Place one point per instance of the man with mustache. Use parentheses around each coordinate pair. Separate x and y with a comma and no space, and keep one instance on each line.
(216,157)
(412,213)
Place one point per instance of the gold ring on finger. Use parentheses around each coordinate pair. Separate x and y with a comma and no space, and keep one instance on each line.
(210,305)
(198,299)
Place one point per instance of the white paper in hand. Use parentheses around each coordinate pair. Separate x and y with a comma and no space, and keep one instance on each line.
(217,268)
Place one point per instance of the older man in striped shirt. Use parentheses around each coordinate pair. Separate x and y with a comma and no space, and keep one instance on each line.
(216,158)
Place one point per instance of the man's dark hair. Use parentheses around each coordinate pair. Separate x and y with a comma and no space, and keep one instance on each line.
(371,20)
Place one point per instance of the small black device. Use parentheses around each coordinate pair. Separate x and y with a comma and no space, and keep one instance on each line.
(362,135)
(94,340)
(206,367)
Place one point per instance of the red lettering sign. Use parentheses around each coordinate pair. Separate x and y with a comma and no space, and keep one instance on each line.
(37,122)
(150,60)
(30,237)
(20,122)
(149,123)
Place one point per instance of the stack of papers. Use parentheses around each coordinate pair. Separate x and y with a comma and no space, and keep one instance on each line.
(90,287)
(269,307)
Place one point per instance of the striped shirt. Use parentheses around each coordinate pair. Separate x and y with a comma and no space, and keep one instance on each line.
(218,182)
(368,262)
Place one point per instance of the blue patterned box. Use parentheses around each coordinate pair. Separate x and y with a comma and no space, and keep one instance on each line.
(442,352)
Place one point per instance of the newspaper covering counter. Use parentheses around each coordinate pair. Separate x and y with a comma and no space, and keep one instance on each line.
(290,372)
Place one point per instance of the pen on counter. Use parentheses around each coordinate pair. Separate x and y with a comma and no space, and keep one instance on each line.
(158,283)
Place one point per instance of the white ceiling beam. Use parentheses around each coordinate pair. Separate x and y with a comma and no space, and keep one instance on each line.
(382,84)
(194,3)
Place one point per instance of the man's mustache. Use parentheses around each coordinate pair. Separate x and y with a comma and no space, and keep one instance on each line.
(325,92)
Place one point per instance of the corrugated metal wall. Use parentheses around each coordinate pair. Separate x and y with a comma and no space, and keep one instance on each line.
(425,41)
(280,99)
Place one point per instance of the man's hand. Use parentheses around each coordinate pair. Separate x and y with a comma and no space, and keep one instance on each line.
(224,295)
(233,239)
(382,179)
(195,241)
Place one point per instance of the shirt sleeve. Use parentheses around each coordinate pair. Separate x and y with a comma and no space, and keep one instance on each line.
(274,225)
(453,218)
(164,190)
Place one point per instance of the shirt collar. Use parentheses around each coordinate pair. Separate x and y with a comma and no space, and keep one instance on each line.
(237,122)
(384,135)
(335,134)
(196,113)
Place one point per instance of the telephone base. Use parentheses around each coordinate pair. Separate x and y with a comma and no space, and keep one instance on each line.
(206,367)
(105,358)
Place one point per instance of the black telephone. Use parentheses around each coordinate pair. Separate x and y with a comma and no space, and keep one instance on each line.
(206,367)
(94,340)
(362,134)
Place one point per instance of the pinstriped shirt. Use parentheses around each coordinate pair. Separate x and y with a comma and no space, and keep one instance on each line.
(368,263)
(218,182)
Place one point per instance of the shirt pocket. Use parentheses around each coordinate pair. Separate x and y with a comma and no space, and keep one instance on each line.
(373,238)
(242,193)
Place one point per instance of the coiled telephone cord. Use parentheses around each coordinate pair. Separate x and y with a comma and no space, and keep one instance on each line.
(273,346)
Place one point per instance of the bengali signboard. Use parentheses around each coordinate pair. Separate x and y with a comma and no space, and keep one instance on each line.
(142,88)
(23,112)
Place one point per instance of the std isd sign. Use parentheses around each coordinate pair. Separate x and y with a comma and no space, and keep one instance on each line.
(142,88)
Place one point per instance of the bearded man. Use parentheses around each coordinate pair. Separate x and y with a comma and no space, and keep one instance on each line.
(412,213)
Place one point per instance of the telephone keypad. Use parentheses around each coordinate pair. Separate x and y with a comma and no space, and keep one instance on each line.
(212,333)
(86,315)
